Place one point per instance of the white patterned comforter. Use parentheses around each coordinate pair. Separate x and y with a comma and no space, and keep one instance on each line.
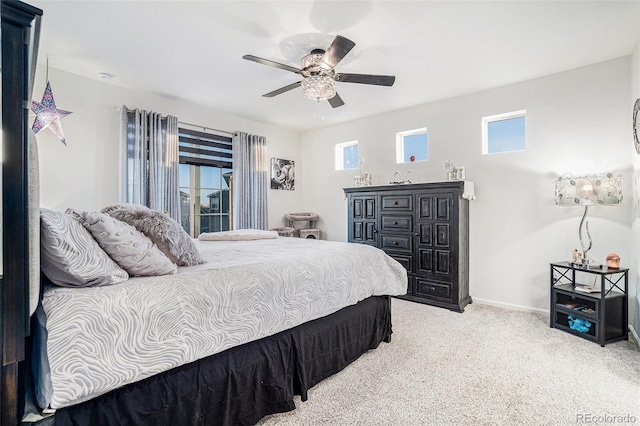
(101,338)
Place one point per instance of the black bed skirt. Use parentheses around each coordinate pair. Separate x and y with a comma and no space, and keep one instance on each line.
(243,384)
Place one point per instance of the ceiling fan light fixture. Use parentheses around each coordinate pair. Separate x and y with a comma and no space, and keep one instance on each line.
(313,59)
(318,87)
(318,74)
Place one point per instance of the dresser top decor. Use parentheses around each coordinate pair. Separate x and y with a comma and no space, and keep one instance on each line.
(468,192)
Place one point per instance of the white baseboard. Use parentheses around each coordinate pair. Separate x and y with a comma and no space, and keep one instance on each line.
(634,335)
(510,306)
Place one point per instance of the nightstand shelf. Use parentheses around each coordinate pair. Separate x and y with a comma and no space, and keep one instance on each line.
(602,316)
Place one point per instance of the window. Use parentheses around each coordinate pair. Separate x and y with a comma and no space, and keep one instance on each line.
(411,145)
(205,181)
(347,155)
(504,132)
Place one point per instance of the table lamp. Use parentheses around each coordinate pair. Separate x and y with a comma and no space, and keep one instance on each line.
(590,190)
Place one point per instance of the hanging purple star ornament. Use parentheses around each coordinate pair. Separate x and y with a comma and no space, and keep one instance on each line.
(47,115)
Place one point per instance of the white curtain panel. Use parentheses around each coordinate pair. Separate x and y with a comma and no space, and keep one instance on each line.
(250,180)
(150,161)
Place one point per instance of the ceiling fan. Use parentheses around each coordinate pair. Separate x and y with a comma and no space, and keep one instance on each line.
(319,76)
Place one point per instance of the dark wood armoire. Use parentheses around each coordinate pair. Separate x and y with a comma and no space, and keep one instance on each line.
(423,226)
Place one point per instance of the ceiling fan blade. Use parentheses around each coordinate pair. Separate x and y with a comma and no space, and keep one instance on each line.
(336,101)
(282,90)
(378,80)
(339,48)
(271,63)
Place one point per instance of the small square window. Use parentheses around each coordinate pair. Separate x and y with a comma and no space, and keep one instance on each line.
(347,155)
(411,145)
(504,132)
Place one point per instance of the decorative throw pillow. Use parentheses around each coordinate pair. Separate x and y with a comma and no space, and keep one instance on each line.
(70,257)
(165,232)
(132,250)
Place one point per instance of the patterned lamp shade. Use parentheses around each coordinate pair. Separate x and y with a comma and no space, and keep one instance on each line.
(590,190)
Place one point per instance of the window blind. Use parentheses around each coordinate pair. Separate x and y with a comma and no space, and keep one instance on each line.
(205,149)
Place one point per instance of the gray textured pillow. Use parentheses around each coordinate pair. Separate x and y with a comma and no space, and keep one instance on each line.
(131,249)
(165,232)
(70,257)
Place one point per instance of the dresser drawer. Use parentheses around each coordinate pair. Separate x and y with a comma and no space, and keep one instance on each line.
(396,242)
(397,202)
(406,260)
(396,223)
(438,290)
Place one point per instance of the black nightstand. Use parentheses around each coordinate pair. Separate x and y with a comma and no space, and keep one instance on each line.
(601,317)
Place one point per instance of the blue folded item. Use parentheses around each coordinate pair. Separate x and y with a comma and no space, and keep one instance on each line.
(579,324)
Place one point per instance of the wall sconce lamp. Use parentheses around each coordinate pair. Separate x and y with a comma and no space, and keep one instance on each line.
(590,190)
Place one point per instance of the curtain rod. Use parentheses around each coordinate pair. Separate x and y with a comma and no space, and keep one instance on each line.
(204,127)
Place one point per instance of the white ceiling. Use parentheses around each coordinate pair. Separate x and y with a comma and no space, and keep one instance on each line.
(192,50)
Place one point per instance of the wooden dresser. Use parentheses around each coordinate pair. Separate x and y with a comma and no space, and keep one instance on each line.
(423,226)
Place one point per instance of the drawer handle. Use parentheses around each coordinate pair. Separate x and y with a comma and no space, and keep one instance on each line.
(395,202)
(395,223)
(417,234)
(395,243)
(433,288)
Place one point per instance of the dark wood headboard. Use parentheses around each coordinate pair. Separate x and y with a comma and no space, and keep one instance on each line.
(14,282)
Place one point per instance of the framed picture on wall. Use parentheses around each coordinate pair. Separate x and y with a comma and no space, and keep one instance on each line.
(282,174)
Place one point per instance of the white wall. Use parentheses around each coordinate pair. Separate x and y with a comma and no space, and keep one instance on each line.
(635,200)
(577,121)
(84,174)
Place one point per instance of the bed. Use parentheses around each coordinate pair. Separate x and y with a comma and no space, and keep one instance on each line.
(227,341)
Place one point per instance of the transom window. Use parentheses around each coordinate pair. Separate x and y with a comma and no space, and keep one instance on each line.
(504,132)
(347,155)
(411,145)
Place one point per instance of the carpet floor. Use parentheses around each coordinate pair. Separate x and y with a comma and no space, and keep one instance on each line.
(487,366)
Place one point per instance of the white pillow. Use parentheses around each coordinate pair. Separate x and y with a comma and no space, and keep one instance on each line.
(70,257)
(131,249)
